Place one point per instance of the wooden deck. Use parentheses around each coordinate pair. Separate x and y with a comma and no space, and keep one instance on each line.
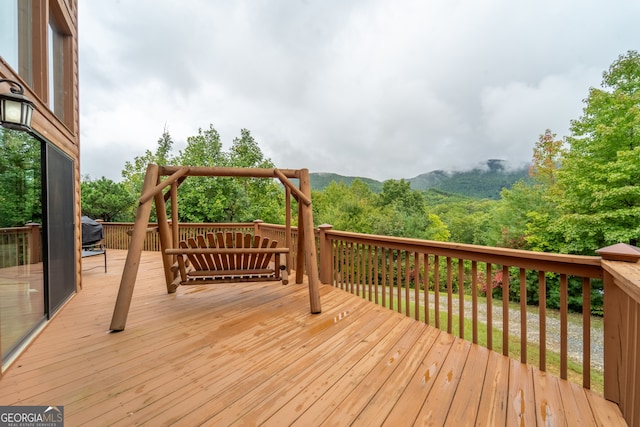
(252,354)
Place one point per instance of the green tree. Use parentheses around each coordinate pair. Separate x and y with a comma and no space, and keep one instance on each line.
(404,213)
(225,199)
(547,155)
(346,207)
(462,215)
(264,197)
(599,193)
(520,219)
(134,172)
(107,200)
(204,199)
(504,223)
(544,193)
(400,195)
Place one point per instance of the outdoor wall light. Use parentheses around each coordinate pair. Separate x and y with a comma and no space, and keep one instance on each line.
(15,108)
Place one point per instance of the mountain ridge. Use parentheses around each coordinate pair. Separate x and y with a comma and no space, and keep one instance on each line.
(484,181)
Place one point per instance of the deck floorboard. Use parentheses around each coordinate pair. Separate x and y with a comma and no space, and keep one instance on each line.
(250,353)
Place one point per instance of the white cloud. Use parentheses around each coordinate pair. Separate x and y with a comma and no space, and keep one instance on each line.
(379,88)
(517,111)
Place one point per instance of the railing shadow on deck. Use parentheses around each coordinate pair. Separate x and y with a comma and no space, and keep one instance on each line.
(410,275)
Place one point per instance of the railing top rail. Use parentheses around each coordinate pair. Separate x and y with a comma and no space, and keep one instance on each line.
(584,266)
(15,229)
(190,224)
(266,225)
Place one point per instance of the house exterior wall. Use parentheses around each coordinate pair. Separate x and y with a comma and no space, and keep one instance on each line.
(54,93)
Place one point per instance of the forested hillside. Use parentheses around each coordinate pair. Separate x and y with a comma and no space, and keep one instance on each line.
(320,181)
(483,182)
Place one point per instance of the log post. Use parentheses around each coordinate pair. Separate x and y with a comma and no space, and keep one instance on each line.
(326,254)
(175,221)
(165,239)
(287,228)
(310,253)
(300,249)
(130,270)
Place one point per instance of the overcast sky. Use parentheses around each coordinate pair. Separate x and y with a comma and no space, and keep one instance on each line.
(385,89)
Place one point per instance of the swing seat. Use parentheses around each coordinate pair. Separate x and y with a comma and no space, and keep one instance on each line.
(228,257)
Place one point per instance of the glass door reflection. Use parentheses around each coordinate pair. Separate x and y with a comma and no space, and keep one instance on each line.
(22,293)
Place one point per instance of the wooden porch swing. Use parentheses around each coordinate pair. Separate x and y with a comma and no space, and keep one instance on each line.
(217,258)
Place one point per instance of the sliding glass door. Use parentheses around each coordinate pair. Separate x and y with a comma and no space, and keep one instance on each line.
(37,236)
(22,290)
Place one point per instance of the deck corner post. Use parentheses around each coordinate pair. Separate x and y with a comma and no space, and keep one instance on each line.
(612,339)
(325,254)
(621,277)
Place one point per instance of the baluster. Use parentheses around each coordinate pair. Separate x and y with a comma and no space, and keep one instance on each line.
(449,296)
(542,307)
(416,285)
(523,315)
(489,287)
(505,310)
(427,312)
(474,301)
(564,318)
(586,332)
(461,298)
(407,274)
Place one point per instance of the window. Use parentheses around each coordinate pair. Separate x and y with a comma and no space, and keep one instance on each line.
(36,41)
(57,58)
(16,46)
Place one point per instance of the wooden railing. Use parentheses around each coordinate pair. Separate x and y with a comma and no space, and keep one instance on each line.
(117,234)
(20,245)
(410,275)
(440,283)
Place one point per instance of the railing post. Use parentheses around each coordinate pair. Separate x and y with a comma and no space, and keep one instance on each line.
(613,325)
(621,328)
(326,254)
(256,226)
(35,243)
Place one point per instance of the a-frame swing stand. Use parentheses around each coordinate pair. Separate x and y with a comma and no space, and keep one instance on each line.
(153,192)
